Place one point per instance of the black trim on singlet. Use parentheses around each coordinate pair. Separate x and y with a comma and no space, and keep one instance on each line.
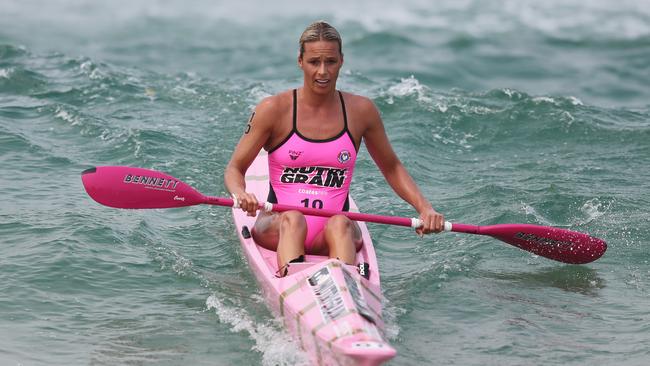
(294,127)
(345,126)
(295,121)
(271,198)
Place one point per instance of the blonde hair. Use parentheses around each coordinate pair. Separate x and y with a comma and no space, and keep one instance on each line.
(320,31)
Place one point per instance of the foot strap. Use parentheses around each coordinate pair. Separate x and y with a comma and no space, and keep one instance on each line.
(282,271)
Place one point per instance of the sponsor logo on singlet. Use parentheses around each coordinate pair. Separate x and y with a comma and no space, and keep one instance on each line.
(315,175)
(344,156)
(293,154)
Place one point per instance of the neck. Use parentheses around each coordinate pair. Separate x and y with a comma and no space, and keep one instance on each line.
(309,97)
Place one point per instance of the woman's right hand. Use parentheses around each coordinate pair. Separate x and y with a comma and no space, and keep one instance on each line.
(247,202)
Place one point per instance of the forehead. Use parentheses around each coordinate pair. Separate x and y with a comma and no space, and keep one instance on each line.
(321,48)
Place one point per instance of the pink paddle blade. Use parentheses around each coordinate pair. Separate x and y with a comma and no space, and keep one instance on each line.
(554,243)
(127,187)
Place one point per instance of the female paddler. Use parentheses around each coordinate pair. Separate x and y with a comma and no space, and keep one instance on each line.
(312,135)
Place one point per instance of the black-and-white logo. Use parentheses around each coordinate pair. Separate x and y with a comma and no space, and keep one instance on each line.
(344,156)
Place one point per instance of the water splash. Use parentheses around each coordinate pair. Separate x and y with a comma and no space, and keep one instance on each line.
(530,210)
(276,346)
(407,87)
(592,210)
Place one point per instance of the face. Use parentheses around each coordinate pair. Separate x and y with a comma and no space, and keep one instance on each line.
(320,64)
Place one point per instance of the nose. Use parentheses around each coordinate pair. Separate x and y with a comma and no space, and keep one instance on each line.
(321,69)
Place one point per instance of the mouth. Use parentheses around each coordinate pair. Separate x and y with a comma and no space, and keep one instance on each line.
(322,82)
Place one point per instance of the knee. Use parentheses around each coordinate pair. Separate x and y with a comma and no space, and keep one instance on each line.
(339,224)
(293,219)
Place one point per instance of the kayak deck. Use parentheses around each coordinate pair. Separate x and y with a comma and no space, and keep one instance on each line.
(333,309)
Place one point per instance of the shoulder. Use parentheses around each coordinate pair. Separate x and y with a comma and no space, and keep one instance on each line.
(271,120)
(275,104)
(272,108)
(359,103)
(363,113)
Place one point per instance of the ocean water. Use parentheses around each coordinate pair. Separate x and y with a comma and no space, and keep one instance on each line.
(503,112)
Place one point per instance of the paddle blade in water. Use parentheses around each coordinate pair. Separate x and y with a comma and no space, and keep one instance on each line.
(554,243)
(128,187)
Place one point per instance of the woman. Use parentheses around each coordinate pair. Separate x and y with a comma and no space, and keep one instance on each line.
(313,135)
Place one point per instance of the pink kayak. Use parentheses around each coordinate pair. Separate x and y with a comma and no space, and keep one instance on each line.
(332,309)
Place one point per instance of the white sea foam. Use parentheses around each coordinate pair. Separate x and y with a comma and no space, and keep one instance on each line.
(541,100)
(575,101)
(258,93)
(576,19)
(66,116)
(391,316)
(406,87)
(626,19)
(90,69)
(277,347)
(4,73)
(510,92)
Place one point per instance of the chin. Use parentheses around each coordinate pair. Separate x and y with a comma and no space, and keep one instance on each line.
(323,89)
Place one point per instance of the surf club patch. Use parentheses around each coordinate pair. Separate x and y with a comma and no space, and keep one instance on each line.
(344,156)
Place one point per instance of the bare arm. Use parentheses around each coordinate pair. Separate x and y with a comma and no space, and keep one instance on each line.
(394,171)
(256,135)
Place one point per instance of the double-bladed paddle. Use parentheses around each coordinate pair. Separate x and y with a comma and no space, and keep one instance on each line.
(135,188)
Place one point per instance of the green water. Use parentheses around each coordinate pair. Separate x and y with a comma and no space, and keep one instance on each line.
(504,112)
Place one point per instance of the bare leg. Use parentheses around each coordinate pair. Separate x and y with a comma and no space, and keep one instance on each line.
(341,238)
(293,231)
(284,233)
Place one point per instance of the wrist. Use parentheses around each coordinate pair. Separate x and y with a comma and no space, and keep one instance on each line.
(424,207)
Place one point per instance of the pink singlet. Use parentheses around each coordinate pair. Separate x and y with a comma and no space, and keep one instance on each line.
(312,173)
